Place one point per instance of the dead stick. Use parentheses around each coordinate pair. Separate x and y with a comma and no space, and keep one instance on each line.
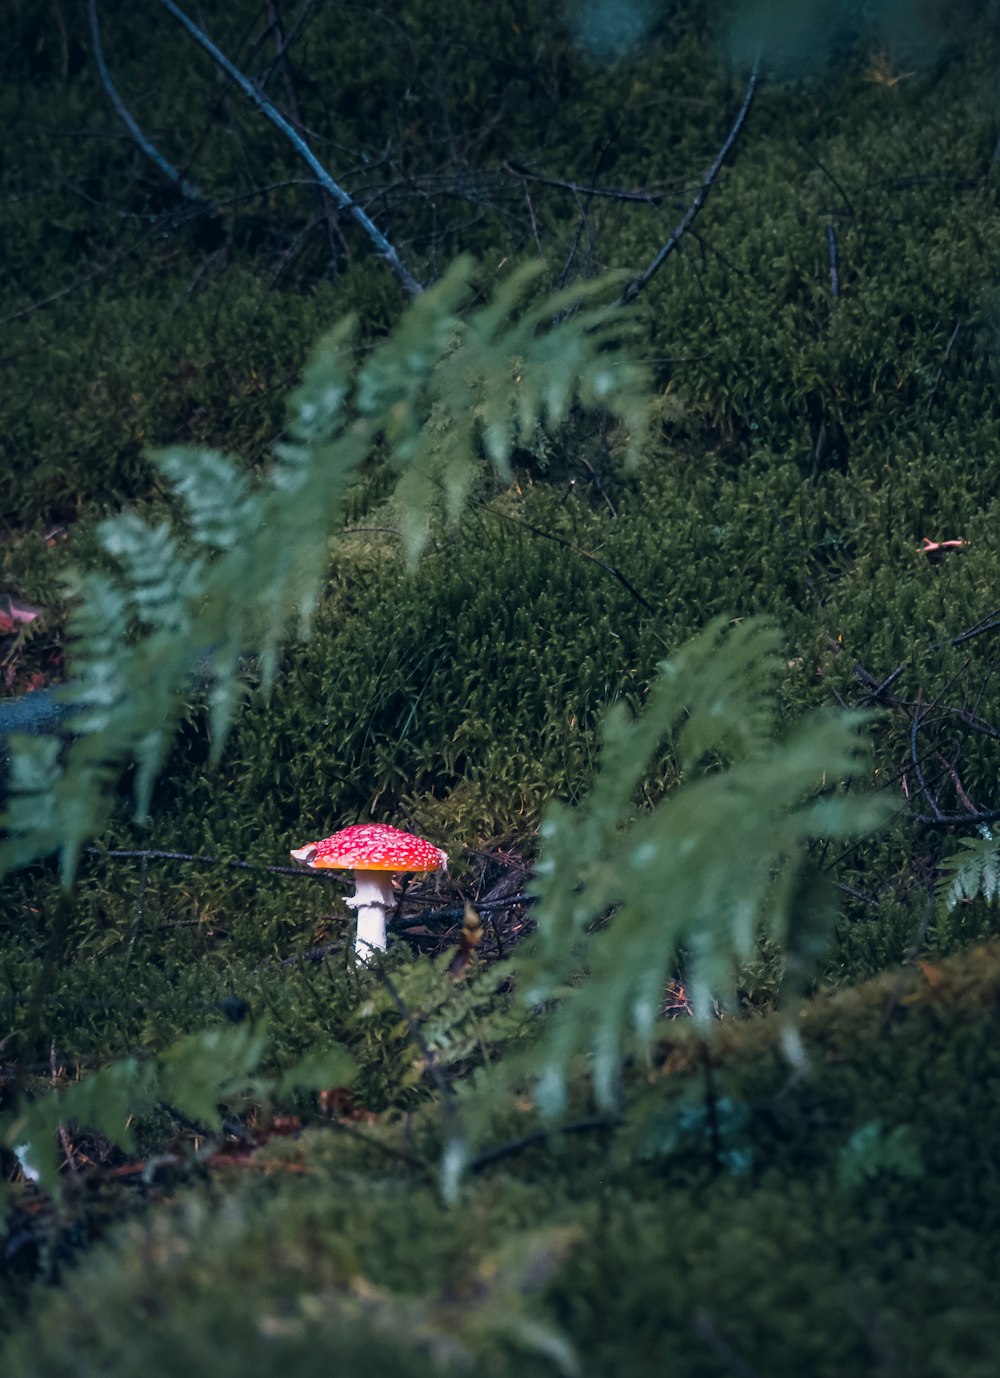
(637,284)
(383,248)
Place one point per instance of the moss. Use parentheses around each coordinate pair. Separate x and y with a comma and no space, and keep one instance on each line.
(793,1264)
(803,447)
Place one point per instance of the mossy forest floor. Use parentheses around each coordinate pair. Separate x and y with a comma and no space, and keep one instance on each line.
(823,346)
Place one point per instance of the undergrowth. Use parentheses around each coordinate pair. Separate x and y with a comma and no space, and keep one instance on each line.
(808,1191)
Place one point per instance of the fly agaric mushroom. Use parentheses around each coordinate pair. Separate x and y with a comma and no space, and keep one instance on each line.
(374,852)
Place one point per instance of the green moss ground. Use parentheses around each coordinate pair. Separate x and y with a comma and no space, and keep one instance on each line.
(851,1225)
(802,446)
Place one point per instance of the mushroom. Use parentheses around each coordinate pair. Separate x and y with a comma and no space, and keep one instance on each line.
(374,852)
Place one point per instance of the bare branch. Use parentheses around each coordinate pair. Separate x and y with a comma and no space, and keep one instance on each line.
(145,853)
(647,198)
(940,368)
(187,188)
(637,284)
(831,244)
(383,248)
(577,550)
(328,215)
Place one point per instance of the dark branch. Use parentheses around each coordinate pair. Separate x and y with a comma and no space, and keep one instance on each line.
(831,244)
(584,554)
(125,115)
(234,863)
(648,198)
(637,284)
(940,368)
(512,1146)
(383,248)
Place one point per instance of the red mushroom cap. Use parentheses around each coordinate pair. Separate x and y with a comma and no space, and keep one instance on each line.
(373,847)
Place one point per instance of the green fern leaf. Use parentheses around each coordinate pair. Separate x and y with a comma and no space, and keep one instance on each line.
(970,873)
(698,879)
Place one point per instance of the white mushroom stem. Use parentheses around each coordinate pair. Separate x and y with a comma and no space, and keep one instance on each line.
(373,899)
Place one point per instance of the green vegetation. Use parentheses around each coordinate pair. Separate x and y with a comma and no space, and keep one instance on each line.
(628,609)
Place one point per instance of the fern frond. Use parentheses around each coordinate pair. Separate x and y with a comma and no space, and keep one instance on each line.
(159,578)
(446,384)
(971,873)
(216,493)
(192,1076)
(698,879)
(245,569)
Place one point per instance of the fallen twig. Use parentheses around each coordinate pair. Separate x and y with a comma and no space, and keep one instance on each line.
(636,285)
(185,187)
(383,248)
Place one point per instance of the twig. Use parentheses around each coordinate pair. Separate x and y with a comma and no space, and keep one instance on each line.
(831,245)
(877,687)
(97,272)
(637,284)
(233,863)
(856,894)
(584,554)
(705,1330)
(334,233)
(449,1101)
(597,479)
(342,1127)
(582,222)
(953,776)
(484,905)
(977,723)
(940,368)
(581,189)
(917,767)
(125,115)
(511,1146)
(989,623)
(958,820)
(139,905)
(64,1139)
(416,1033)
(383,248)
(826,173)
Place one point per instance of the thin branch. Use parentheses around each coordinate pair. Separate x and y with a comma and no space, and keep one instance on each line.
(512,1146)
(917,767)
(953,776)
(989,623)
(582,221)
(125,115)
(99,271)
(826,173)
(577,550)
(956,820)
(458,912)
(706,1331)
(857,894)
(234,863)
(383,248)
(449,1101)
(648,198)
(328,215)
(831,245)
(637,284)
(940,368)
